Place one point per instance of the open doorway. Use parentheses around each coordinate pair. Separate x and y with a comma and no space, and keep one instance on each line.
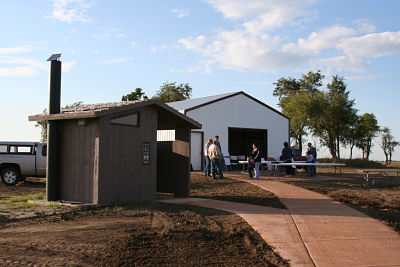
(241,139)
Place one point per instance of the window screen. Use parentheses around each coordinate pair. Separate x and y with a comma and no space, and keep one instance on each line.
(20,149)
(3,148)
(128,120)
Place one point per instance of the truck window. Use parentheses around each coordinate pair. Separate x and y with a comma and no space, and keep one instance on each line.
(3,148)
(44,151)
(16,149)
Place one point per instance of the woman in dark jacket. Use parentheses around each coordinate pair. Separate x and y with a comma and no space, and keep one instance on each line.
(287,158)
(254,162)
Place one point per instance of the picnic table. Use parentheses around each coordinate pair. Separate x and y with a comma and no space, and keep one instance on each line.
(305,164)
(367,172)
(267,162)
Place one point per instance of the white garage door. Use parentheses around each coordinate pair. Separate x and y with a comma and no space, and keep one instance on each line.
(196,154)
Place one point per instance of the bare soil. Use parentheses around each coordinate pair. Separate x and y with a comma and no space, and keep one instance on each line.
(147,234)
(380,201)
(232,190)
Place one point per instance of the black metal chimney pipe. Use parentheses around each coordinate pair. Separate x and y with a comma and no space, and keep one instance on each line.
(53,133)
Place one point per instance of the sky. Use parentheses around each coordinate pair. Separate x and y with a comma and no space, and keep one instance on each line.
(109,48)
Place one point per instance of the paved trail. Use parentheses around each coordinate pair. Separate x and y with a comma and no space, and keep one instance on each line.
(315,230)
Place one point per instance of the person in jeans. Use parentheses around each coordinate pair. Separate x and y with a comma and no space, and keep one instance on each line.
(313,152)
(207,160)
(215,154)
(287,158)
(256,158)
(221,159)
(310,159)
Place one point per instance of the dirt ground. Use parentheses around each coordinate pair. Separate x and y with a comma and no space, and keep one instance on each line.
(149,234)
(232,190)
(380,201)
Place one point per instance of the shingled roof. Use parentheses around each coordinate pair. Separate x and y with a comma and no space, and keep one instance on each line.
(103,109)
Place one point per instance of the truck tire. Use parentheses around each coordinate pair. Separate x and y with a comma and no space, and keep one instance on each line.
(10,176)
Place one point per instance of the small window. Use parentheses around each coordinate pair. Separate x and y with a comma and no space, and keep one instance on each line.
(3,148)
(44,151)
(15,149)
(128,120)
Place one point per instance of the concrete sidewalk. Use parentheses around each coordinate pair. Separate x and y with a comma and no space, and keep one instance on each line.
(315,230)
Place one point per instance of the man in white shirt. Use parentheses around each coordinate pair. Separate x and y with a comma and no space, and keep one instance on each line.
(207,160)
(215,153)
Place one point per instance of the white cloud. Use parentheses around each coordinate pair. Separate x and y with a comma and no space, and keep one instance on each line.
(317,41)
(341,63)
(111,33)
(193,43)
(15,50)
(254,46)
(67,66)
(155,49)
(118,60)
(365,77)
(70,10)
(180,13)
(372,45)
(263,14)
(364,26)
(34,63)
(134,44)
(18,71)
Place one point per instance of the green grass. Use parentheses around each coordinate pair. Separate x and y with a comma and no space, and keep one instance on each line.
(25,198)
(120,208)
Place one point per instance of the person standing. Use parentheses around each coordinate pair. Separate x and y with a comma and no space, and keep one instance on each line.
(313,152)
(310,159)
(207,160)
(221,159)
(215,154)
(287,158)
(255,158)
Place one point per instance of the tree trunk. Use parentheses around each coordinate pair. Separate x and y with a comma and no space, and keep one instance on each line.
(367,152)
(386,157)
(338,147)
(351,151)
(390,156)
(300,141)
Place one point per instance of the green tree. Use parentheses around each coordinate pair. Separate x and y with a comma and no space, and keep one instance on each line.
(171,92)
(296,100)
(297,108)
(138,94)
(387,144)
(43,124)
(392,146)
(369,129)
(336,114)
(353,135)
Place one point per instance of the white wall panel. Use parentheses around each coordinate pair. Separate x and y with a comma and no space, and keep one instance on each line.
(242,112)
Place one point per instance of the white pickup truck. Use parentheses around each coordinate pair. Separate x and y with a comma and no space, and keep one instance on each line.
(22,159)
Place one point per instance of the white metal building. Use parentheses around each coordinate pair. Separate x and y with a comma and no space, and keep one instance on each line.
(239,120)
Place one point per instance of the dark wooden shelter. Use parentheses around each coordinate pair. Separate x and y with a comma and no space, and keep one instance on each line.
(109,152)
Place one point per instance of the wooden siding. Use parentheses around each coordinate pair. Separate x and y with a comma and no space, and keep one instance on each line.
(78,168)
(122,176)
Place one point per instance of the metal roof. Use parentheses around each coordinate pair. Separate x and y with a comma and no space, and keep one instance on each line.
(194,103)
(190,103)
